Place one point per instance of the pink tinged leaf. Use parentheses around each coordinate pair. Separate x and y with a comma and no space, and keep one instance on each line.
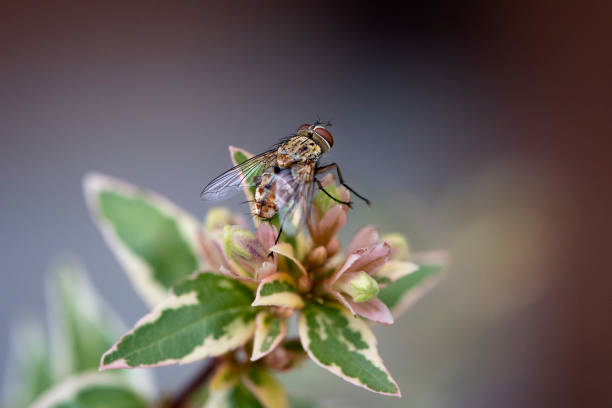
(346,266)
(212,252)
(373,309)
(231,274)
(266,269)
(266,234)
(365,237)
(371,259)
(331,223)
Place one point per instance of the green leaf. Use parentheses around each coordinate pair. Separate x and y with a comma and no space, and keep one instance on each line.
(91,390)
(344,345)
(278,289)
(83,325)
(156,242)
(207,315)
(29,371)
(236,396)
(401,294)
(231,386)
(266,388)
(269,331)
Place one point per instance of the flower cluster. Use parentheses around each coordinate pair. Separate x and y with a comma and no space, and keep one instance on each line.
(225,288)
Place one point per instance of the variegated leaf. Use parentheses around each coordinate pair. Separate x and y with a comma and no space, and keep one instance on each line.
(266,388)
(278,289)
(393,270)
(83,325)
(155,241)
(401,294)
(29,369)
(269,331)
(207,315)
(345,346)
(91,390)
(226,390)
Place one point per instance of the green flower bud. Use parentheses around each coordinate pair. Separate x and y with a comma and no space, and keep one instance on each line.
(322,201)
(243,249)
(217,218)
(360,286)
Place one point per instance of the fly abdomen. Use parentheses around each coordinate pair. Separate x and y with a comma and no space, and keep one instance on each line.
(265,205)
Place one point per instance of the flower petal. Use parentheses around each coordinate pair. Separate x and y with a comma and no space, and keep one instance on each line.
(365,237)
(373,309)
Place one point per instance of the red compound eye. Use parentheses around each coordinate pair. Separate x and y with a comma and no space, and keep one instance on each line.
(324,133)
(303,127)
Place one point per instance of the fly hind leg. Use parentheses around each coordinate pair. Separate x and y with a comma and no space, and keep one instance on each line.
(348,203)
(341,180)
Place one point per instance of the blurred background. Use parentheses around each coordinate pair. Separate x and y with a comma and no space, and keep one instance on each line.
(478,127)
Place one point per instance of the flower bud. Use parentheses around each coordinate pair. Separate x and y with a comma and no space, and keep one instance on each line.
(322,201)
(400,249)
(243,249)
(218,217)
(317,257)
(360,286)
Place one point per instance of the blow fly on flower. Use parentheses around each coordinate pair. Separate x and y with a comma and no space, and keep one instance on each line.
(284,177)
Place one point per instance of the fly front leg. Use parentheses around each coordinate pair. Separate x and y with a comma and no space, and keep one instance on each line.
(341,180)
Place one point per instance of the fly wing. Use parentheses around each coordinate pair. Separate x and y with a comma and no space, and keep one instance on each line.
(238,176)
(294,201)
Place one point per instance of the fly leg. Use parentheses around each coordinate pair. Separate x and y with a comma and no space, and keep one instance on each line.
(341,180)
(280,231)
(349,203)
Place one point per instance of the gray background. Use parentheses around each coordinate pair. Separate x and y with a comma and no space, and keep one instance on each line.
(464,124)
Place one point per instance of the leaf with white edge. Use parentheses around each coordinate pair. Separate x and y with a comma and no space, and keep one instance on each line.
(156,242)
(91,390)
(266,388)
(29,371)
(401,294)
(226,390)
(278,289)
(345,346)
(394,270)
(269,331)
(236,396)
(83,325)
(207,315)
(295,266)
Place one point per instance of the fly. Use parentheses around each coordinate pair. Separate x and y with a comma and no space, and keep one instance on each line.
(284,177)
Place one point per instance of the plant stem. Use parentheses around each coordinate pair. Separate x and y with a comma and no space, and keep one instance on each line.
(182,397)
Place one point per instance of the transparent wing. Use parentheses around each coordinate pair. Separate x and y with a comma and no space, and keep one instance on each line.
(294,201)
(238,176)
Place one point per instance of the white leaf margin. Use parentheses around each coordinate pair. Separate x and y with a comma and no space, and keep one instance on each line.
(371,354)
(136,268)
(70,387)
